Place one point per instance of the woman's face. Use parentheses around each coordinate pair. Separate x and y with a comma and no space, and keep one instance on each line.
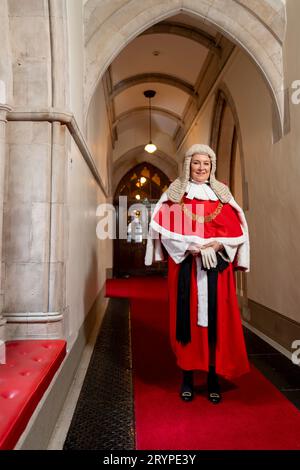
(200,167)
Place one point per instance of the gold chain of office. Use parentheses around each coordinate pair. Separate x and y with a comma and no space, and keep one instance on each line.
(202,218)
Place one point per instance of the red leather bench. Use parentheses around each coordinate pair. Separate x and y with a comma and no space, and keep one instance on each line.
(30,367)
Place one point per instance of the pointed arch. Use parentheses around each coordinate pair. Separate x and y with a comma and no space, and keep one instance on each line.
(160,159)
(113,26)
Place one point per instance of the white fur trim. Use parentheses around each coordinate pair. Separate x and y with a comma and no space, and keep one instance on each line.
(243,251)
(154,253)
(195,238)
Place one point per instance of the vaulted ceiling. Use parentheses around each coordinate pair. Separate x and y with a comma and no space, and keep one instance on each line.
(180,59)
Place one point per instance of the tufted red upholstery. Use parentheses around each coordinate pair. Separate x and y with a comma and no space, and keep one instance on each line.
(31,364)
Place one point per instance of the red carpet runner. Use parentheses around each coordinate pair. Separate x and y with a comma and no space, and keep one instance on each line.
(252,415)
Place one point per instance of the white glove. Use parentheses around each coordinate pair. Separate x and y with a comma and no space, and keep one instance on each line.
(209,257)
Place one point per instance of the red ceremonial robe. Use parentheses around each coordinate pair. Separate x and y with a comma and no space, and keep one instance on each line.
(231,356)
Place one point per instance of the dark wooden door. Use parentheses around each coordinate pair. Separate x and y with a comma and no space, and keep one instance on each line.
(144,185)
(129,256)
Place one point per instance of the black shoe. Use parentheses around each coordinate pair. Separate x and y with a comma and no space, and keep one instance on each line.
(187,388)
(186,393)
(214,397)
(213,386)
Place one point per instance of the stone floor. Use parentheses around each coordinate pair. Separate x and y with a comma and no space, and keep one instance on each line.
(275,366)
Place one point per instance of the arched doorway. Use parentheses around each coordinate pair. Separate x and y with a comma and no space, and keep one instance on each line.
(227,142)
(141,187)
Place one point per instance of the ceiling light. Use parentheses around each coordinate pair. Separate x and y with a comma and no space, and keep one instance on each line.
(150,147)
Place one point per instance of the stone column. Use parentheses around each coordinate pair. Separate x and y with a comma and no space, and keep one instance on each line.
(58,223)
(34,231)
(3,112)
(34,219)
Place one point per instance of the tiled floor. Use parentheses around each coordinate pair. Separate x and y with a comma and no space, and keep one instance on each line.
(275,366)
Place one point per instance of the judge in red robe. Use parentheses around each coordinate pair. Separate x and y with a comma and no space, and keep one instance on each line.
(206,236)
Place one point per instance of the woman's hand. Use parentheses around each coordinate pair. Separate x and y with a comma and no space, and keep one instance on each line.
(194,249)
(217,246)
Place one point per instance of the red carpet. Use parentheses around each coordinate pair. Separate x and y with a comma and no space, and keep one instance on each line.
(252,415)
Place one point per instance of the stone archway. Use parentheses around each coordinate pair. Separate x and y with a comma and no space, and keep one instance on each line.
(225,100)
(225,109)
(257,27)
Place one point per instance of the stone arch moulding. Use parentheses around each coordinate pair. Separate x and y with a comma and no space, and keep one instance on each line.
(223,97)
(137,155)
(110,26)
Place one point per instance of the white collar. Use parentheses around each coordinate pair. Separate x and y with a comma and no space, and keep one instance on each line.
(200,191)
(197,182)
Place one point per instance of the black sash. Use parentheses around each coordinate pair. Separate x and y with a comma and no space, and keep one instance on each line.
(183,324)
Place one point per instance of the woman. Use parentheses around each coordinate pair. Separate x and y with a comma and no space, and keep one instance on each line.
(205,234)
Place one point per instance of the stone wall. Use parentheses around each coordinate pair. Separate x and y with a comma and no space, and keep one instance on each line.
(36,166)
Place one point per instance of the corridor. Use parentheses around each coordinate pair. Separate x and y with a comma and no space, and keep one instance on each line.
(100,103)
